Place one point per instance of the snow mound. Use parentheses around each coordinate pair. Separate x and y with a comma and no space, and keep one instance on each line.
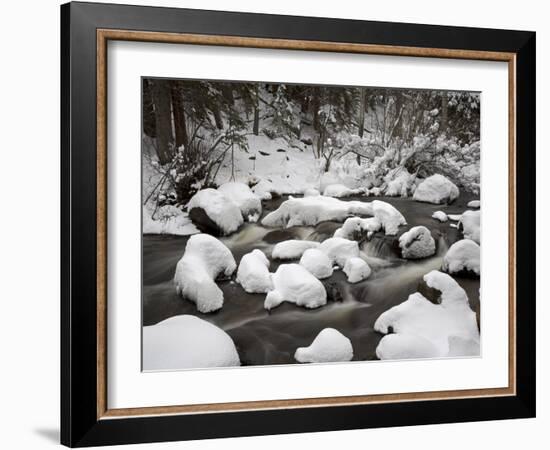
(440,215)
(223,212)
(355,227)
(205,259)
(317,262)
(462,256)
(310,192)
(436,189)
(312,210)
(399,182)
(263,189)
(293,283)
(339,250)
(248,202)
(474,204)
(292,249)
(427,330)
(339,190)
(470,222)
(356,269)
(253,273)
(329,346)
(417,243)
(390,218)
(187,342)
(168,219)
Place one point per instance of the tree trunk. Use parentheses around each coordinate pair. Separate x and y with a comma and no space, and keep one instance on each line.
(218,118)
(163,120)
(180,127)
(149,124)
(256,127)
(315,104)
(362,108)
(444,112)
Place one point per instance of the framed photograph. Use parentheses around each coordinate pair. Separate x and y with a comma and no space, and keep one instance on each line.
(276,224)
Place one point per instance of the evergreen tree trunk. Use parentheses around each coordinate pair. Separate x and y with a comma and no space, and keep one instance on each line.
(256,127)
(361,120)
(149,124)
(180,126)
(218,118)
(163,120)
(315,104)
(444,112)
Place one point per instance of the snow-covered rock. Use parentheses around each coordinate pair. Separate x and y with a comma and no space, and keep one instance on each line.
(224,214)
(339,190)
(417,243)
(470,222)
(356,227)
(310,192)
(253,272)
(205,259)
(356,270)
(263,189)
(339,250)
(474,204)
(390,218)
(454,217)
(422,329)
(293,283)
(292,249)
(328,346)
(436,189)
(440,215)
(463,256)
(317,262)
(248,202)
(187,342)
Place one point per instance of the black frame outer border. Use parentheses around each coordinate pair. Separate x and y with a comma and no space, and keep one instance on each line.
(79,425)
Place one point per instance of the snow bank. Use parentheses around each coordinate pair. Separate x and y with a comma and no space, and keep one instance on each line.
(293,283)
(222,211)
(440,215)
(355,227)
(356,270)
(417,243)
(474,204)
(292,249)
(339,250)
(462,256)
(436,189)
(248,202)
(187,342)
(253,273)
(427,330)
(329,346)
(339,190)
(205,259)
(390,218)
(168,219)
(317,262)
(470,222)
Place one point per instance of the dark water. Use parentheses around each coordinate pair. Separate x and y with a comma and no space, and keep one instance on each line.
(271,337)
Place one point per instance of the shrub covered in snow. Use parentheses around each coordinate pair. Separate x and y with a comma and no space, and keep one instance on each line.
(205,259)
(185,342)
(356,227)
(317,262)
(440,215)
(248,202)
(470,222)
(427,330)
(294,284)
(463,256)
(356,270)
(329,346)
(339,250)
(292,249)
(417,243)
(253,273)
(168,219)
(224,213)
(436,189)
(339,190)
(399,182)
(390,218)
(474,204)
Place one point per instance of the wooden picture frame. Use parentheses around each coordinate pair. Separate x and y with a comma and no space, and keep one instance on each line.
(85,417)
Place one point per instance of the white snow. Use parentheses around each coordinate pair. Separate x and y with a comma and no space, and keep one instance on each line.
(293,283)
(317,262)
(399,182)
(292,249)
(355,227)
(390,218)
(205,259)
(339,190)
(222,211)
(426,330)
(339,250)
(356,270)
(463,255)
(168,219)
(474,204)
(311,192)
(470,221)
(248,202)
(253,273)
(454,217)
(417,243)
(440,215)
(328,346)
(263,189)
(436,189)
(187,342)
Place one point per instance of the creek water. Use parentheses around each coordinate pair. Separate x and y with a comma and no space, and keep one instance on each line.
(271,337)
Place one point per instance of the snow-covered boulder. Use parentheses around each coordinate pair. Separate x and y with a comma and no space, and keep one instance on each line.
(417,243)
(462,258)
(421,329)
(213,212)
(294,284)
(469,223)
(187,342)
(248,202)
(356,227)
(317,262)
(474,204)
(310,192)
(339,190)
(204,260)
(263,189)
(328,346)
(356,270)
(292,249)
(339,250)
(390,218)
(436,189)
(253,273)
(440,215)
